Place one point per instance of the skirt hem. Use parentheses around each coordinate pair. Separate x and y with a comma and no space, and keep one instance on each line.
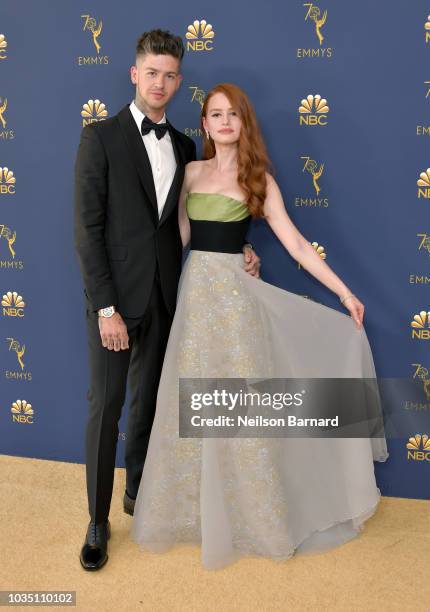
(157,548)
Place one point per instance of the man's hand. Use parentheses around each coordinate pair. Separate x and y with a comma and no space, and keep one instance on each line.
(113,332)
(252,262)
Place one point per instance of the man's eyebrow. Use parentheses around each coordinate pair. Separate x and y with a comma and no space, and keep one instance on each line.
(156,70)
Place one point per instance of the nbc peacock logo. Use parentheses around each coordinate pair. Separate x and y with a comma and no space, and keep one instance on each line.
(424,184)
(7,182)
(313,110)
(421,325)
(13,305)
(319,249)
(3,47)
(22,412)
(418,448)
(93,111)
(200,35)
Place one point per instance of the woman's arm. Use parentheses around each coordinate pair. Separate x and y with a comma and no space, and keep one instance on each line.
(184,222)
(301,249)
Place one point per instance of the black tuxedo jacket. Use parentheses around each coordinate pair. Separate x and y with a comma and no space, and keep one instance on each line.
(118,235)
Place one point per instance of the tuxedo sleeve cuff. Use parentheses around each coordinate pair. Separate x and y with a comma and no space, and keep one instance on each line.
(102,299)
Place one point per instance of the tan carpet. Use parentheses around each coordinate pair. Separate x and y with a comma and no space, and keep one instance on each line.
(43,523)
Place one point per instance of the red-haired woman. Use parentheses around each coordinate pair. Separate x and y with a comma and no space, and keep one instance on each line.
(270,496)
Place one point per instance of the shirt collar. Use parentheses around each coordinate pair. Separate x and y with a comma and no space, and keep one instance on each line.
(139,116)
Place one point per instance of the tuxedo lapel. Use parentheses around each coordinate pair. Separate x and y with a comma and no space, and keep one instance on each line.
(138,153)
(175,187)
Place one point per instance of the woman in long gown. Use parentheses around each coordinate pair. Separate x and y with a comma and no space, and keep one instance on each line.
(272,497)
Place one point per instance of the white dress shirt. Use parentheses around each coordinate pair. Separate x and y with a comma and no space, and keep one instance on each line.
(161,157)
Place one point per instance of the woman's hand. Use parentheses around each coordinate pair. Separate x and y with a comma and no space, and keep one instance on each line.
(356,308)
(252,261)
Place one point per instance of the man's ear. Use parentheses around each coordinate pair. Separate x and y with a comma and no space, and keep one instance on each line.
(179,81)
(133,75)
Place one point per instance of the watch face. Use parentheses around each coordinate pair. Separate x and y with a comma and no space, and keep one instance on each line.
(108,312)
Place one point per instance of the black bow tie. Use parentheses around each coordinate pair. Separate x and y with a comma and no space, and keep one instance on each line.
(159,128)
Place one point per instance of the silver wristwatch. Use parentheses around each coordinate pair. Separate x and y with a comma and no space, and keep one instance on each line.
(107,312)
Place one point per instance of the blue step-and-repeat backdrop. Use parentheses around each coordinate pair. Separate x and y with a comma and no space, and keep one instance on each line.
(342,91)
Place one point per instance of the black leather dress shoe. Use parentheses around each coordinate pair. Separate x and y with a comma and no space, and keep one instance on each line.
(128,504)
(94,551)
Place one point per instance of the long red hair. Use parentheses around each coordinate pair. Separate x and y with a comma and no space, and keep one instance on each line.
(252,158)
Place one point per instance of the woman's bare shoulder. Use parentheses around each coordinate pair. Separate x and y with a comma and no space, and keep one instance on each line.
(194,167)
(270,181)
(193,170)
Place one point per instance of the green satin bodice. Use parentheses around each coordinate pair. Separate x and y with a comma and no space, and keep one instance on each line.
(215,207)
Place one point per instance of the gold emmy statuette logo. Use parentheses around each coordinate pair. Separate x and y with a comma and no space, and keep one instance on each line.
(421,325)
(15,346)
(313,110)
(424,243)
(419,447)
(315,170)
(22,412)
(10,237)
(314,14)
(4,134)
(198,95)
(3,47)
(311,166)
(423,374)
(93,111)
(3,107)
(424,184)
(91,25)
(7,182)
(319,249)
(427,29)
(20,374)
(13,304)
(200,36)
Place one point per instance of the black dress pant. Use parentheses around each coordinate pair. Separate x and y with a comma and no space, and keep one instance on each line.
(141,365)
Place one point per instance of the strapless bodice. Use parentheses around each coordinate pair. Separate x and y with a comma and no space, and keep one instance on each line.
(218,222)
(215,207)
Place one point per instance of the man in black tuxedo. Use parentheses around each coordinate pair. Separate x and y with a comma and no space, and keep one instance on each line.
(128,176)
